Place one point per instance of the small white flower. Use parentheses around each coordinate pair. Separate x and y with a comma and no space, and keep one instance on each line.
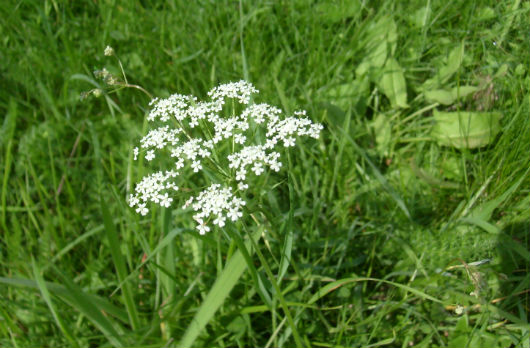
(275,166)
(239,138)
(204,153)
(202,227)
(142,209)
(240,174)
(270,143)
(219,221)
(180,163)
(133,200)
(258,168)
(239,90)
(196,165)
(208,144)
(150,155)
(135,153)
(287,142)
(109,51)
(188,203)
(234,214)
(242,187)
(165,200)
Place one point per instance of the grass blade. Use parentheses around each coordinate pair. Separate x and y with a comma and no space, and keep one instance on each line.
(7,132)
(165,241)
(337,284)
(399,201)
(288,241)
(90,306)
(47,298)
(62,292)
(219,292)
(166,276)
(119,264)
(283,303)
(81,303)
(258,281)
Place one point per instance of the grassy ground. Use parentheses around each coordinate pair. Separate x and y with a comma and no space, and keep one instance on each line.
(376,225)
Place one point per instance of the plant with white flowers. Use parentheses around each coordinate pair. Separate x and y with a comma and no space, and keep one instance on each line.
(213,136)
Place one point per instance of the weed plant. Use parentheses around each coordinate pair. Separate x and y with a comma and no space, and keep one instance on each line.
(405,224)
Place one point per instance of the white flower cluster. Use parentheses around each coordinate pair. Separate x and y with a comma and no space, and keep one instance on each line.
(237,90)
(217,203)
(248,152)
(151,188)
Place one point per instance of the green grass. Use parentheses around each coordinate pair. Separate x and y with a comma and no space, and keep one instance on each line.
(365,225)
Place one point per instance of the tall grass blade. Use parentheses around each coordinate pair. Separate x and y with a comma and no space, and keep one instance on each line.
(163,243)
(256,277)
(119,264)
(62,292)
(223,285)
(166,273)
(6,139)
(395,196)
(89,305)
(47,298)
(81,303)
(288,241)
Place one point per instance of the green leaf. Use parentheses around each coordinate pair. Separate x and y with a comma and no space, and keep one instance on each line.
(461,333)
(446,97)
(380,39)
(441,96)
(485,13)
(420,18)
(393,84)
(349,94)
(382,130)
(485,210)
(383,342)
(453,63)
(465,129)
(378,55)
(444,73)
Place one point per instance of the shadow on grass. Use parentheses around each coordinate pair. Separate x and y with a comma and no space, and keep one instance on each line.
(514,251)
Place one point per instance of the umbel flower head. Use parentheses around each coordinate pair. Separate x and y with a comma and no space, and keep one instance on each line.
(204,133)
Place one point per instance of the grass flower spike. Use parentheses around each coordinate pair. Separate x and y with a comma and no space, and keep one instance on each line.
(211,133)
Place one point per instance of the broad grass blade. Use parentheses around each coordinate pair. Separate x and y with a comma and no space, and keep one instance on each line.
(256,277)
(219,292)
